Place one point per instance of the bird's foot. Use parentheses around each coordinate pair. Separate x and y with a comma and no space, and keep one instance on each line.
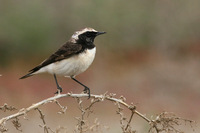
(87,90)
(59,90)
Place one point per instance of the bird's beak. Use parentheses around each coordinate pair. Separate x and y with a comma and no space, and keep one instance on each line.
(101,32)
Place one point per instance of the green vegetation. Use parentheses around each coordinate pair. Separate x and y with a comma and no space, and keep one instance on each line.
(29,26)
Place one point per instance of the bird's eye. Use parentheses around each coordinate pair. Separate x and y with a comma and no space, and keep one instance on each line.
(89,35)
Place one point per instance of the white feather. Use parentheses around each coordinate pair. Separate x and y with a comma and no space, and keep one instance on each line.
(72,66)
(77,33)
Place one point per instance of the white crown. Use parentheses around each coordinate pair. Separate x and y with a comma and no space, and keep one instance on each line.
(77,33)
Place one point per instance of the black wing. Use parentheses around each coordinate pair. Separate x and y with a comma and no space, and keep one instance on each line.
(67,50)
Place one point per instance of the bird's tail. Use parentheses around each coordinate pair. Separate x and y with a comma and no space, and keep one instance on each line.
(27,75)
(31,72)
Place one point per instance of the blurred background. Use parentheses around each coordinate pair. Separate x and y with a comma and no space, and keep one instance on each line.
(150,55)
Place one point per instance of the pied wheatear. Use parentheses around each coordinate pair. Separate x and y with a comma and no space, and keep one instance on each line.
(73,58)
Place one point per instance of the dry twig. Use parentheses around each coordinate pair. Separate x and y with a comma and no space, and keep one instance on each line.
(16,124)
(43,120)
(167,122)
(5,108)
(163,122)
(52,99)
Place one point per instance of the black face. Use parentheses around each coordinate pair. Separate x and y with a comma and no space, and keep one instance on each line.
(88,37)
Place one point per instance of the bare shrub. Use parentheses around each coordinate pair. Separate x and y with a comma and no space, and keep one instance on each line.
(163,123)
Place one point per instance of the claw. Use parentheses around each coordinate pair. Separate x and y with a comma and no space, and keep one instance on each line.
(59,90)
(87,90)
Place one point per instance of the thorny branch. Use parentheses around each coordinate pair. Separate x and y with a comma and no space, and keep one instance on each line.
(81,126)
(126,128)
(5,108)
(129,122)
(166,122)
(63,108)
(163,122)
(16,124)
(24,111)
(43,120)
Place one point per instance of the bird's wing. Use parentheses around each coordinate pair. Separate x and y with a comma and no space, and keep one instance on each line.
(67,50)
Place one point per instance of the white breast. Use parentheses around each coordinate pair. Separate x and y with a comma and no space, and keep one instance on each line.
(71,66)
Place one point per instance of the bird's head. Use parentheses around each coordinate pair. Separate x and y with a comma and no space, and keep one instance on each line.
(86,35)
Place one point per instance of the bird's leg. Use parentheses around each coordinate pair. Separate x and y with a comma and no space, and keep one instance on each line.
(58,86)
(86,89)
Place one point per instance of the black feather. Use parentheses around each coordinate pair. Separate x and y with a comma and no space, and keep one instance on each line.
(27,75)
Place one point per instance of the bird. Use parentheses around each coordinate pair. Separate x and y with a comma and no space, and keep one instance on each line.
(71,59)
